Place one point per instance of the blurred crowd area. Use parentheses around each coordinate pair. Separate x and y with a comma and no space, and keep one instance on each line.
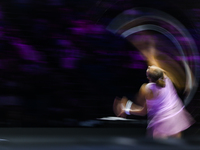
(58,67)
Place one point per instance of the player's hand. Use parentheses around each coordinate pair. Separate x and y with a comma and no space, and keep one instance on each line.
(122,113)
(119,106)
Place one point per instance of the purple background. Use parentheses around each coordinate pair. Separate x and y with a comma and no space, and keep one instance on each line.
(59,66)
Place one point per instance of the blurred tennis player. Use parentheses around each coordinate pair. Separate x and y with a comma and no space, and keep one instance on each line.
(160,101)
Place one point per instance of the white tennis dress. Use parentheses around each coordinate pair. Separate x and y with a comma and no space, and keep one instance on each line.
(166,113)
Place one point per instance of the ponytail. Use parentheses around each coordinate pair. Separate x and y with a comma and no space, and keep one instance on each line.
(160,82)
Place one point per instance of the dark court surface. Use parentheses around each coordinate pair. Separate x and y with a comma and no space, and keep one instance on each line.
(113,137)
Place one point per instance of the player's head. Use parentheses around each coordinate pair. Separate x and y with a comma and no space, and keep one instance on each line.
(155,74)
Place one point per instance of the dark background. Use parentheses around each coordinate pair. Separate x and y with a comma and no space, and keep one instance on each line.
(60,67)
